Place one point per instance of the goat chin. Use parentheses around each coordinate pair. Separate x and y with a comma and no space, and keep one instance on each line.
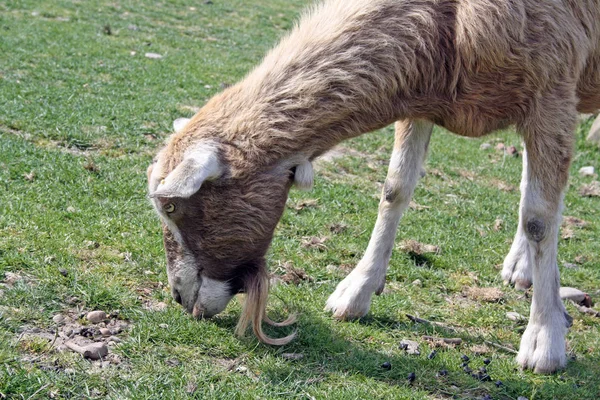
(254,312)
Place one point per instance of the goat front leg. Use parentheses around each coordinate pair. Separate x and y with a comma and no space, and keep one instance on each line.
(549,141)
(352,297)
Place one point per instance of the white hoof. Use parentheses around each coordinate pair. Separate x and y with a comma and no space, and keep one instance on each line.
(517,267)
(543,346)
(351,299)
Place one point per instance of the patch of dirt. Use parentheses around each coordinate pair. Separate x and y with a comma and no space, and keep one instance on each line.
(487,294)
(337,228)
(570,225)
(414,247)
(71,331)
(499,184)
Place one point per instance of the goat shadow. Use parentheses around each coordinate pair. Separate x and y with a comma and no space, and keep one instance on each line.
(328,354)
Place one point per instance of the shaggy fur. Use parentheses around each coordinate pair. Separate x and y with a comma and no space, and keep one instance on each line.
(353,66)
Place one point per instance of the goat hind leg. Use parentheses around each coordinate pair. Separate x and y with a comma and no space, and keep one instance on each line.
(517,264)
(352,297)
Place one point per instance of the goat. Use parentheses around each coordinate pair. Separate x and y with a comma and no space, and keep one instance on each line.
(353,66)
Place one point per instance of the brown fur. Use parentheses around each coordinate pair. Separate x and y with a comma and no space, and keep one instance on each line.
(353,66)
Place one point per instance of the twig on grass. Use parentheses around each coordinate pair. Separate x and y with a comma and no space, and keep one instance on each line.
(501,347)
(586,310)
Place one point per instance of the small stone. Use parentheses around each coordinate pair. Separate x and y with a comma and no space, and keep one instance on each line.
(417,282)
(69,371)
(386,365)
(58,318)
(94,351)
(114,339)
(586,171)
(96,316)
(63,271)
(485,146)
(432,355)
(572,294)
(164,326)
(411,377)
(68,333)
(71,209)
(105,364)
(105,332)
(515,316)
(154,56)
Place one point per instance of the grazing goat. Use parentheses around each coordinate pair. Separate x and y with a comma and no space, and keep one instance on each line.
(353,66)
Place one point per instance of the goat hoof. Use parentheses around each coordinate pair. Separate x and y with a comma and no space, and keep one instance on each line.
(516,270)
(350,300)
(543,347)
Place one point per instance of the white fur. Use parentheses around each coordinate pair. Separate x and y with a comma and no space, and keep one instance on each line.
(517,264)
(304,176)
(214,296)
(352,296)
(199,164)
(180,123)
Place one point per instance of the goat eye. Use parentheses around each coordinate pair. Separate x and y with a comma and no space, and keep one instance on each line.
(169,208)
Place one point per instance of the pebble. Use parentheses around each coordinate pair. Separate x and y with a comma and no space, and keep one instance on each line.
(58,318)
(164,326)
(572,294)
(105,332)
(63,271)
(94,351)
(96,316)
(587,171)
(114,339)
(386,365)
(514,316)
(485,146)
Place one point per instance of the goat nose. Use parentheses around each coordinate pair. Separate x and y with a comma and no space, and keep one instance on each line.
(177,296)
(198,312)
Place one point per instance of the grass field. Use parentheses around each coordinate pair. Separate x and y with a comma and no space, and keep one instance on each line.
(82,112)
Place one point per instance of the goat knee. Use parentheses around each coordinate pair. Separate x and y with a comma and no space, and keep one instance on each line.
(396,191)
(536,228)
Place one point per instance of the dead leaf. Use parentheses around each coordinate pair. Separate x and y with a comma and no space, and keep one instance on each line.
(315,242)
(569,221)
(338,228)
(30,176)
(294,275)
(488,294)
(498,224)
(590,190)
(308,203)
(505,187)
(480,349)
(414,247)
(470,175)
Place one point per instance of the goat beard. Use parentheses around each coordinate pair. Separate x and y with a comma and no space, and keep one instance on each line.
(254,311)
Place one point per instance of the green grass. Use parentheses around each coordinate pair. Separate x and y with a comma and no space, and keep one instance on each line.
(81,118)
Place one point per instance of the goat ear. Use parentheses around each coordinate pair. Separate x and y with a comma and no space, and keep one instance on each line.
(198,166)
(304,176)
(179,123)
